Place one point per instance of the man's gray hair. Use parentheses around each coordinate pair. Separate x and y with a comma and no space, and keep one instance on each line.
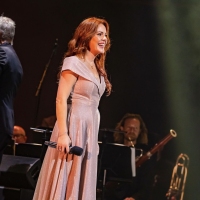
(7,29)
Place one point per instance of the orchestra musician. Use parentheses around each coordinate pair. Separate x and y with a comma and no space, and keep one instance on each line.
(136,134)
(19,134)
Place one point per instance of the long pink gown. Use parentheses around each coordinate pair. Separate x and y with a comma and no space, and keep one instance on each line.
(67,176)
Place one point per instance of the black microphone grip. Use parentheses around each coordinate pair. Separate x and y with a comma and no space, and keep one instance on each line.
(72,150)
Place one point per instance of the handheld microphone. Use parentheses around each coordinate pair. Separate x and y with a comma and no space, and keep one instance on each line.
(73,150)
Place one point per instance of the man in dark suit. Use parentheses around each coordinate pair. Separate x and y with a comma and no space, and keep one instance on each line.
(10,77)
(138,187)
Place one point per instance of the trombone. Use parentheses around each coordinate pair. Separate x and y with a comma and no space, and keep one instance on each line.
(178,180)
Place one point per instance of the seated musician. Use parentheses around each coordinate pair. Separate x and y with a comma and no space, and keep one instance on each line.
(136,131)
(136,135)
(19,135)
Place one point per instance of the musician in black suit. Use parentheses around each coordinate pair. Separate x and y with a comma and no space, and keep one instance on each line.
(136,134)
(10,77)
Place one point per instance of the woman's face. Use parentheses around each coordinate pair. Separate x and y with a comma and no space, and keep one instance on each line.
(98,41)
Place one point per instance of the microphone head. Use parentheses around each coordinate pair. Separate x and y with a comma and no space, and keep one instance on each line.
(72,150)
(76,150)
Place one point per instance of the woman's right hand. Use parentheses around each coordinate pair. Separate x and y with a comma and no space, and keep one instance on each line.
(63,143)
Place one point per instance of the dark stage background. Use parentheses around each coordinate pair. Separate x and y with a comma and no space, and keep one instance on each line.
(138,66)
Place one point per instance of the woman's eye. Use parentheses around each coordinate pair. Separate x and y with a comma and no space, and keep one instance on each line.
(101,34)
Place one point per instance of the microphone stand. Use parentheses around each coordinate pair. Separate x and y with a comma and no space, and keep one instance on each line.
(43,76)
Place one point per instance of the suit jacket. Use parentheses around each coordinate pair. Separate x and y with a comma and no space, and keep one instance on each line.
(10,77)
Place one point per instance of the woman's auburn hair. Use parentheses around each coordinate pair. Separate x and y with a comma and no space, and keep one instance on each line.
(79,44)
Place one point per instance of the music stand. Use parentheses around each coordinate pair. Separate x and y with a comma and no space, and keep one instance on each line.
(118,160)
(46,134)
(28,149)
(113,159)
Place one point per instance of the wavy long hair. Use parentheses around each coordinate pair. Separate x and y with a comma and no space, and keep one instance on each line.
(79,44)
(142,138)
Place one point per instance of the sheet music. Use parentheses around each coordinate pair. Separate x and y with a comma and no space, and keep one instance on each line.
(133,161)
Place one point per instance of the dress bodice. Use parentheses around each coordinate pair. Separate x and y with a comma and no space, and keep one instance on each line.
(87,87)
